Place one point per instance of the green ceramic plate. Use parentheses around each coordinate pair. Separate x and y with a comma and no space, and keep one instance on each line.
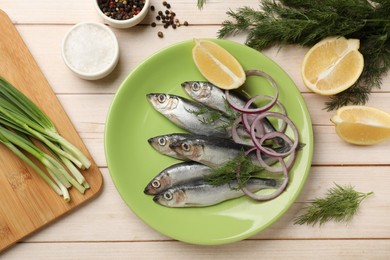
(133,163)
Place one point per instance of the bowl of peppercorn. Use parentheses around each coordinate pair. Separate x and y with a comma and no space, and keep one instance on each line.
(122,13)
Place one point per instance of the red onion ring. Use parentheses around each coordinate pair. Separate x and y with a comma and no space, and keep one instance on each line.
(273,195)
(235,135)
(267,136)
(273,169)
(246,108)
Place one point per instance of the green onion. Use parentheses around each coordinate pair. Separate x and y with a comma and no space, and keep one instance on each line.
(20,120)
(17,109)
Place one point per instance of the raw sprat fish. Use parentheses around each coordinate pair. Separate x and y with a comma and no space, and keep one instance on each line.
(210,95)
(190,115)
(200,193)
(216,152)
(177,174)
(195,117)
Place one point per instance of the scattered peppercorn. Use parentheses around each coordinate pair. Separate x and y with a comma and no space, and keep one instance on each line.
(152,8)
(121,9)
(167,18)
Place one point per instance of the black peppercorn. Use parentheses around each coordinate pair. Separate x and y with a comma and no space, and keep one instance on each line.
(152,7)
(185,23)
(165,3)
(168,6)
(160,34)
(153,24)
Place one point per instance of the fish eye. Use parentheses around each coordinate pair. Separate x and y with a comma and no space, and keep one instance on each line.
(168,195)
(162,141)
(195,86)
(156,184)
(161,98)
(186,147)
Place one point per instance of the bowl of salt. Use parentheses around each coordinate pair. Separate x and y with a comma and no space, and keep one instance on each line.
(90,50)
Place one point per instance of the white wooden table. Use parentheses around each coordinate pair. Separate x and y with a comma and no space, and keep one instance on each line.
(106,228)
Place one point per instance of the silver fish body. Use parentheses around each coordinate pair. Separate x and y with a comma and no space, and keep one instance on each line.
(175,175)
(214,97)
(211,96)
(162,144)
(201,194)
(216,152)
(190,115)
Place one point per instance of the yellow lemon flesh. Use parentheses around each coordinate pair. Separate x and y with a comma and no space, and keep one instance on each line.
(362,125)
(332,65)
(217,65)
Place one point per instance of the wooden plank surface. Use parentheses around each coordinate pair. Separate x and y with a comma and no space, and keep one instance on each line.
(28,203)
(106,228)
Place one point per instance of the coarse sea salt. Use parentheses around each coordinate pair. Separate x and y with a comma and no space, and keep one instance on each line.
(90,49)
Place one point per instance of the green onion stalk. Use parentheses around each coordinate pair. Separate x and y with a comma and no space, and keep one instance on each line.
(13,140)
(20,120)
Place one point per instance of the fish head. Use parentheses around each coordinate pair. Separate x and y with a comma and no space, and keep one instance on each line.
(163,102)
(171,198)
(198,90)
(190,149)
(162,144)
(158,184)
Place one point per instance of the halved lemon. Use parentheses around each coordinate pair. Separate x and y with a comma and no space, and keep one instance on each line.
(332,65)
(362,125)
(217,65)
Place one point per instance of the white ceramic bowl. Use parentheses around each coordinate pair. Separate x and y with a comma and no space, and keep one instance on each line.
(124,23)
(90,50)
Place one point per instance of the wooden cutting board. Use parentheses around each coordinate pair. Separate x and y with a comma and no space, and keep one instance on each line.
(27,203)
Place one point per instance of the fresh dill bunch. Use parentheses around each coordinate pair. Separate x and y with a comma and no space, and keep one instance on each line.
(228,172)
(306,22)
(340,204)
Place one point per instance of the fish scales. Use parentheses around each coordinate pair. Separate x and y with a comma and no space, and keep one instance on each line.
(201,194)
(190,115)
(215,152)
(177,174)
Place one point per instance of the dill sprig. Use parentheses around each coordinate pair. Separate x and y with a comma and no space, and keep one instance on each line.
(228,172)
(200,4)
(209,116)
(340,204)
(306,22)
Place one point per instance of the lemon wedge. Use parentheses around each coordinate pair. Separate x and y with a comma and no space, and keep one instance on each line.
(217,65)
(362,125)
